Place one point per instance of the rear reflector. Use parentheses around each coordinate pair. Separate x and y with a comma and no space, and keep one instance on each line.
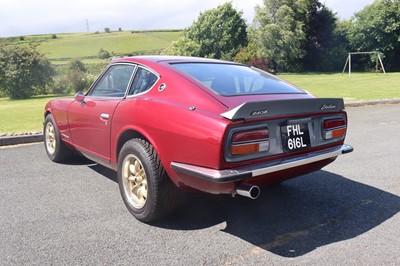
(249,148)
(334,128)
(250,141)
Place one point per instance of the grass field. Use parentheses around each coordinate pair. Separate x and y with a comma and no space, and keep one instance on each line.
(22,115)
(27,115)
(87,45)
(360,86)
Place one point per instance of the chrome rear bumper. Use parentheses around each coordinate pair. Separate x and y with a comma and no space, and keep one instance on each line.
(229,175)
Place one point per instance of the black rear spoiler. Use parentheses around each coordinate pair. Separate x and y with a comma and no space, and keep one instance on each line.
(261,109)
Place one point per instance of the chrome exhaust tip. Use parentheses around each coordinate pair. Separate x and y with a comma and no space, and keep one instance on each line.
(247,190)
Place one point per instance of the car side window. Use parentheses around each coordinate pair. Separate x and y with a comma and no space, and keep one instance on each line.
(114,82)
(143,81)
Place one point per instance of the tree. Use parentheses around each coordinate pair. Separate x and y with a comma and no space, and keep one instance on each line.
(184,46)
(248,55)
(218,33)
(22,68)
(322,40)
(377,27)
(337,52)
(74,79)
(280,34)
(295,35)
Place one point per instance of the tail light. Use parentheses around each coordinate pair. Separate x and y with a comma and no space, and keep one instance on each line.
(249,141)
(334,128)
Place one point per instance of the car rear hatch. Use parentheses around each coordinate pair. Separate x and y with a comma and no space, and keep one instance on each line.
(276,127)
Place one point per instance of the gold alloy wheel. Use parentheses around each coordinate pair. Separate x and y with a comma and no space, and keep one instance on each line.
(134,181)
(50,138)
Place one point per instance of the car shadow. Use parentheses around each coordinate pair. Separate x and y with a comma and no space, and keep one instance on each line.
(98,168)
(78,159)
(291,219)
(104,171)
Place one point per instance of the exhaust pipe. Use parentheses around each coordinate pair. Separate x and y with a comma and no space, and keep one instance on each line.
(247,190)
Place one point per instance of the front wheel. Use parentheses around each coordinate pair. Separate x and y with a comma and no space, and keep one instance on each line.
(145,187)
(56,149)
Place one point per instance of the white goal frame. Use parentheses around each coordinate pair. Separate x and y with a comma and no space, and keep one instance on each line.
(378,61)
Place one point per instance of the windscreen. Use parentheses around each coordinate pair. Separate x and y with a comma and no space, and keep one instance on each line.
(230,79)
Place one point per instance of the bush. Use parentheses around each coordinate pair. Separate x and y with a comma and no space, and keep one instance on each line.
(23,70)
(245,54)
(43,90)
(76,64)
(89,81)
(72,78)
(260,63)
(103,54)
(61,85)
(77,80)
(107,30)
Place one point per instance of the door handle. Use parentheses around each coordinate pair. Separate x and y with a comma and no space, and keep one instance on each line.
(104,116)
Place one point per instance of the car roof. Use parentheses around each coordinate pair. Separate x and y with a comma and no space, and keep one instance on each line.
(170,59)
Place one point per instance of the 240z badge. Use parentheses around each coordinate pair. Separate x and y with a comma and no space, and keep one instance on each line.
(259,112)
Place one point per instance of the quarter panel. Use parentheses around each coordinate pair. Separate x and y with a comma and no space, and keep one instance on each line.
(59,110)
(177,134)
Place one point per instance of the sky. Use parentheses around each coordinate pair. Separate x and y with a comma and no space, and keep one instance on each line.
(28,17)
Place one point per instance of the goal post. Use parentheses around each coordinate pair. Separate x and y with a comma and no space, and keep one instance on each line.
(378,61)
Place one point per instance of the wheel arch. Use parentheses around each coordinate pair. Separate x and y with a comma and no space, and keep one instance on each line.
(131,133)
(124,137)
(46,113)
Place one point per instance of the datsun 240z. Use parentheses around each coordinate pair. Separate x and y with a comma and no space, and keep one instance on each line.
(167,124)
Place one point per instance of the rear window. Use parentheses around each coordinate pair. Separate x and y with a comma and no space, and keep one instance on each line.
(229,79)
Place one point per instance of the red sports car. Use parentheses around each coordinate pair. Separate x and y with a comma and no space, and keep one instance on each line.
(171,123)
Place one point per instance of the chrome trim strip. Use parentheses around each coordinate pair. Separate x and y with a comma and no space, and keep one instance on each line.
(229,175)
(127,95)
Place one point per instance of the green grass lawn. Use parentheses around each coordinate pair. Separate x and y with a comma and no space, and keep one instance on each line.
(359,86)
(22,115)
(27,115)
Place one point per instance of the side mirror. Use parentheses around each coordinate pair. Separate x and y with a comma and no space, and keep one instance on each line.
(79,97)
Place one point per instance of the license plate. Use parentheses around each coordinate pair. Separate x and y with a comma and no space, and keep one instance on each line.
(295,137)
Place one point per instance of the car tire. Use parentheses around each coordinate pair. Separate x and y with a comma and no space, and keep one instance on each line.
(56,149)
(145,187)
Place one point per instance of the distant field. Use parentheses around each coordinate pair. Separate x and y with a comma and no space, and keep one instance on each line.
(27,115)
(119,43)
(87,45)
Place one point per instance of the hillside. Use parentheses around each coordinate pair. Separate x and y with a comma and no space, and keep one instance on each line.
(87,45)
